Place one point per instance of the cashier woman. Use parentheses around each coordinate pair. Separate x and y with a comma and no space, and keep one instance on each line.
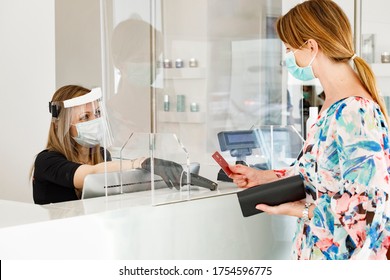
(78,130)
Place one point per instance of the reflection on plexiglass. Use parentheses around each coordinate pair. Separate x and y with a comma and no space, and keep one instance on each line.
(262,147)
(166,167)
(195,72)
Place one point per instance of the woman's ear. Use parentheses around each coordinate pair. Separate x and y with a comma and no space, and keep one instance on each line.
(313,45)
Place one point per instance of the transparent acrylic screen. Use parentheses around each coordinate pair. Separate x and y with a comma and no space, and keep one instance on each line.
(196,68)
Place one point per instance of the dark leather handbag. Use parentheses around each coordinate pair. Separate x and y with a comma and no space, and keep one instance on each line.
(284,190)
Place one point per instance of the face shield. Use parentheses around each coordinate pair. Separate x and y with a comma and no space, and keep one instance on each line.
(84,118)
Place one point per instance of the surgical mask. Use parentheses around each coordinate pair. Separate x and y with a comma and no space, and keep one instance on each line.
(90,133)
(300,73)
(306,94)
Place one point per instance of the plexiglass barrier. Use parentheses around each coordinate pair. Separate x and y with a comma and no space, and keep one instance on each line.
(164,73)
(160,163)
(280,145)
(262,147)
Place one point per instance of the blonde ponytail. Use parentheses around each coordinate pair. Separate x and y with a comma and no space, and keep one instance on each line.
(367,77)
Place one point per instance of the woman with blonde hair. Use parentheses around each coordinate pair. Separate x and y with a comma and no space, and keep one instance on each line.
(345,163)
(78,129)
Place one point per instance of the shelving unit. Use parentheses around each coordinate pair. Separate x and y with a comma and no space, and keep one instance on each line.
(181,117)
(184,73)
(187,81)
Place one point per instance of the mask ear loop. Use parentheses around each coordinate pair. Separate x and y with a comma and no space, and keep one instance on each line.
(311,61)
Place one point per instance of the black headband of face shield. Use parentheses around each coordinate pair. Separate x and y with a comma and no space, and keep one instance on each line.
(54,110)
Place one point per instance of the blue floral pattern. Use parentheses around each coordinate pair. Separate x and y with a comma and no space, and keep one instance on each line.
(345,166)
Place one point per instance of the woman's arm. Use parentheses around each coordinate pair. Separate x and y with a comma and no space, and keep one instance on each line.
(246,177)
(294,209)
(362,206)
(110,166)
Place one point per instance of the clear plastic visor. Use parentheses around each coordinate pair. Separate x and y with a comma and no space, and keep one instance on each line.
(85,113)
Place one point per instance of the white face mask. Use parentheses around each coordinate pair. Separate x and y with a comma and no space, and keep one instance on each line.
(90,133)
(138,73)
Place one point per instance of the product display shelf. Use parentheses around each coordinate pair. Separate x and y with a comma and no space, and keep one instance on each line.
(185,73)
(181,117)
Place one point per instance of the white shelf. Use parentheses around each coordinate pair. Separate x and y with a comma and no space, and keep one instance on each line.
(181,117)
(185,73)
(381,69)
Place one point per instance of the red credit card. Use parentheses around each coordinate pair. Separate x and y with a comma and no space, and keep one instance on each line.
(222,162)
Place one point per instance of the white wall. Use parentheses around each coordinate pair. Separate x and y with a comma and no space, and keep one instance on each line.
(77,34)
(45,44)
(27,81)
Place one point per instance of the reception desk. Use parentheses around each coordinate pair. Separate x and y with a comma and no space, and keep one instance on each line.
(209,225)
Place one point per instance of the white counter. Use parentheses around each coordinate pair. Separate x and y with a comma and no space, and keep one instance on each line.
(128,227)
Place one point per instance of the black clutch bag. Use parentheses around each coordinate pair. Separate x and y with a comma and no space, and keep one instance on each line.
(274,193)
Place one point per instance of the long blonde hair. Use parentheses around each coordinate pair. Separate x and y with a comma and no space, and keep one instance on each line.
(326,23)
(59,139)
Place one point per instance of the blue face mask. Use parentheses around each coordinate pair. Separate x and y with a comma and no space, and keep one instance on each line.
(300,73)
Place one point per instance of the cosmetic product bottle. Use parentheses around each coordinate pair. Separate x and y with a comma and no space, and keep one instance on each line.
(194,107)
(385,57)
(179,63)
(167,63)
(313,114)
(193,62)
(180,103)
(166,103)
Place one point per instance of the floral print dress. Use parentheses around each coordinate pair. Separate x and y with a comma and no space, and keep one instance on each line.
(345,166)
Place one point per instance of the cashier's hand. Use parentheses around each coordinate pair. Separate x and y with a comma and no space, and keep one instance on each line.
(247,177)
(169,171)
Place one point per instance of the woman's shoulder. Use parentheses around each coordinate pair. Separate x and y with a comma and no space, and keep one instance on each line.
(356,114)
(352,104)
(46,154)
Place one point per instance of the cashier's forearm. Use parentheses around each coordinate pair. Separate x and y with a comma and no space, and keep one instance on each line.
(110,166)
